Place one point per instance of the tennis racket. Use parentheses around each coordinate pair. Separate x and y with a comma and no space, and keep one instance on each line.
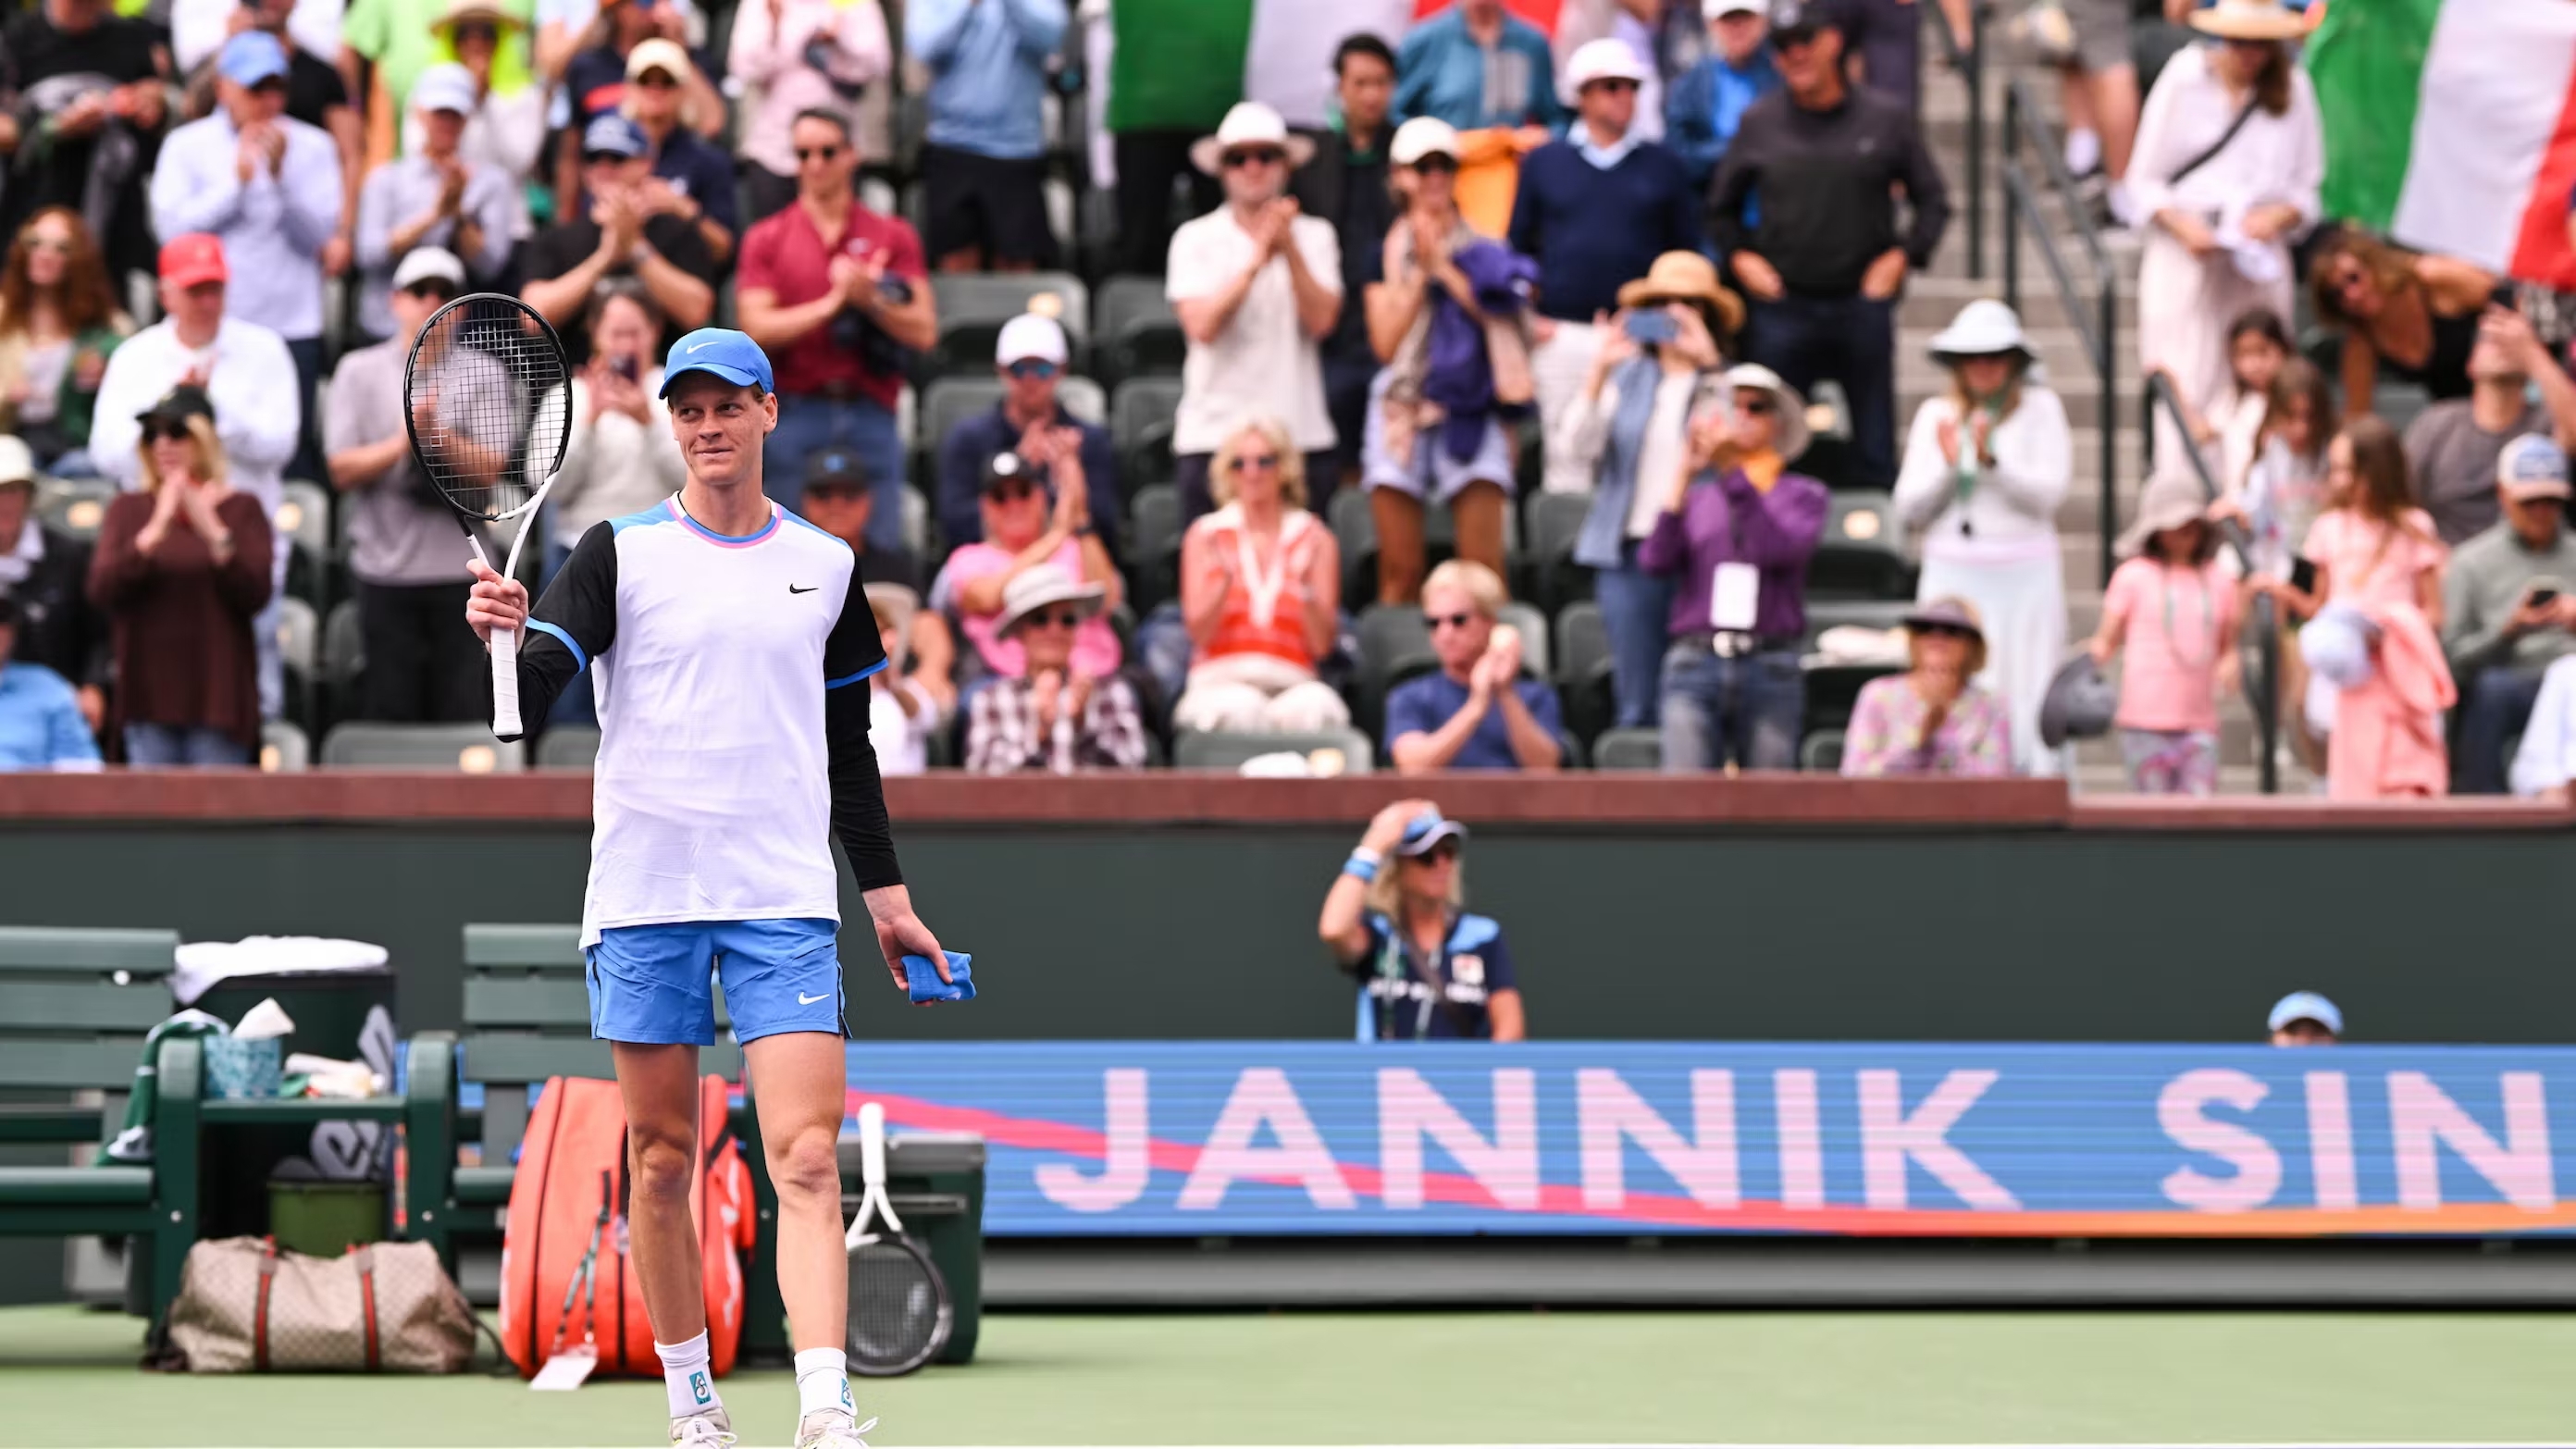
(899,1308)
(488,402)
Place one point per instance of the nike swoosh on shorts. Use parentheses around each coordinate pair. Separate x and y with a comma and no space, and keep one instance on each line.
(804,1000)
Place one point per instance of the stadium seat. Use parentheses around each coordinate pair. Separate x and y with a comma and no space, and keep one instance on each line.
(1140,425)
(1833,689)
(916,522)
(344,659)
(1532,624)
(299,645)
(949,401)
(1550,576)
(468,748)
(303,517)
(1139,335)
(974,306)
(1628,750)
(1583,672)
(1859,556)
(1347,749)
(1154,545)
(568,747)
(75,506)
(1394,647)
(1821,753)
(1084,399)
(284,749)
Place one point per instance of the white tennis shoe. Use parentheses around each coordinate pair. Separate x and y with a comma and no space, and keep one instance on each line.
(710,1430)
(832,1429)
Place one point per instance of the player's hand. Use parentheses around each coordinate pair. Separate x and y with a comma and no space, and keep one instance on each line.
(495,602)
(900,933)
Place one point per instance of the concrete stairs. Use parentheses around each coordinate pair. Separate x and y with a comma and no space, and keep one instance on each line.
(1935,295)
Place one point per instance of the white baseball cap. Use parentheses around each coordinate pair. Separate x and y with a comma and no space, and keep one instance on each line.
(448,87)
(1423,136)
(429,264)
(1608,58)
(1030,336)
(1713,11)
(17,462)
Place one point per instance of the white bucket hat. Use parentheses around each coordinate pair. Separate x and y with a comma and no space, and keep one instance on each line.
(1786,405)
(1036,587)
(1983,328)
(1422,136)
(1250,123)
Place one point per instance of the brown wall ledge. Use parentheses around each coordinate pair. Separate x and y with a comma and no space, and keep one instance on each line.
(1168,797)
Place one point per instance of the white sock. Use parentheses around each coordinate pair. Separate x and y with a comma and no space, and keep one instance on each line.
(2083,151)
(823,1383)
(686,1378)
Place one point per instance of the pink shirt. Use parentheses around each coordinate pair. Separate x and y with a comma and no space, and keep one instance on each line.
(2174,620)
(1095,644)
(772,57)
(2368,565)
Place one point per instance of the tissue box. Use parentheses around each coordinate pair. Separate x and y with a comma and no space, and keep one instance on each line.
(239,1069)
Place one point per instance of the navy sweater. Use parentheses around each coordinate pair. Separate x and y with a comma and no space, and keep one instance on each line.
(1594,231)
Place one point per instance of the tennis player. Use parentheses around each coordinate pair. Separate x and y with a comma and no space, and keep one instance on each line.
(731,645)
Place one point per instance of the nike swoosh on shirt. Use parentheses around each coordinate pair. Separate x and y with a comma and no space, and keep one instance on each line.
(809,588)
(804,1000)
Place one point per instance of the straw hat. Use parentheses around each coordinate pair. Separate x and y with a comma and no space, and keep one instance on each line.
(1250,123)
(1787,408)
(2169,500)
(1983,328)
(2250,20)
(1952,613)
(1044,584)
(460,11)
(1685,277)
(898,603)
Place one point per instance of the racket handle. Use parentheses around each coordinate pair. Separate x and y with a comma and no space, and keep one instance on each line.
(505,684)
(872,1144)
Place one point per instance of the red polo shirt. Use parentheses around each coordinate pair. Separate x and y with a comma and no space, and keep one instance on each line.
(787,257)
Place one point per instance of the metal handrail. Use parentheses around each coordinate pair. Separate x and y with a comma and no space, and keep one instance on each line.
(2025,125)
(2262,695)
(1971,66)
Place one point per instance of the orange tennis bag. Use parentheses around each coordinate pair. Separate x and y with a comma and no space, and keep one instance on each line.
(566,1277)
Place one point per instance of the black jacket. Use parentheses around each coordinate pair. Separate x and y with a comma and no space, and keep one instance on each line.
(1824,179)
(57,625)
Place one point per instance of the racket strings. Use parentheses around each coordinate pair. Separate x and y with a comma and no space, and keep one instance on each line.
(487,390)
(894,1307)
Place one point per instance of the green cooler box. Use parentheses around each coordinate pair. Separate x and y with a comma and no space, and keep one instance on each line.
(936,1182)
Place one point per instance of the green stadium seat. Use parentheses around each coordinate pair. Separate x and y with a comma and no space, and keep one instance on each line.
(1217,750)
(974,306)
(299,649)
(1139,335)
(1859,556)
(1140,427)
(467,748)
(1632,749)
(949,401)
(1821,753)
(568,747)
(1550,576)
(344,660)
(1583,672)
(1084,399)
(1154,544)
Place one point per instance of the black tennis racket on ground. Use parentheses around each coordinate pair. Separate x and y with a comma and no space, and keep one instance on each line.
(488,402)
(900,1313)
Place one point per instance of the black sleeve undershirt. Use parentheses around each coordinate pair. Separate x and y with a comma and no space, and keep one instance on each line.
(852,653)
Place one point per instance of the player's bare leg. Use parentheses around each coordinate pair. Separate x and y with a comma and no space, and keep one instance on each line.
(660,1088)
(800,1082)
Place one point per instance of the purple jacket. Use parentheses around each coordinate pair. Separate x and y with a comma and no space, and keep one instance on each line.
(1459,375)
(1728,520)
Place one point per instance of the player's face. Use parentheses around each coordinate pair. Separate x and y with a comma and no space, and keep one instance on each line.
(719,427)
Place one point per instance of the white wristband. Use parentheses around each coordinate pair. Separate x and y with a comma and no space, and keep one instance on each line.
(1371,856)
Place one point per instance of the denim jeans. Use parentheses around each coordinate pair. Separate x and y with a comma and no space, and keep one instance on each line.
(1633,605)
(1849,339)
(307,463)
(149,745)
(1750,708)
(2497,705)
(807,425)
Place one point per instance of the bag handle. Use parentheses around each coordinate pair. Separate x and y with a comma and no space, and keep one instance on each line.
(365,1254)
(259,1311)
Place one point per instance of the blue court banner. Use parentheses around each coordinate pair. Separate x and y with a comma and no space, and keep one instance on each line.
(1165,1138)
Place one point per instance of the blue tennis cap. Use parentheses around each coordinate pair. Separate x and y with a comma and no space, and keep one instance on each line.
(1426,831)
(2306,1006)
(722,352)
(252,57)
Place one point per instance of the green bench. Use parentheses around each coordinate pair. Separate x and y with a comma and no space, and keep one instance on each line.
(527,1018)
(75,1006)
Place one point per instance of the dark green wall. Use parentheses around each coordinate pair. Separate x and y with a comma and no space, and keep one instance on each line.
(1771,933)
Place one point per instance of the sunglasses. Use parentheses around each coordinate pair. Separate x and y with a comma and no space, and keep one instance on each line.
(1436,622)
(1032,369)
(1253,463)
(817,153)
(172,431)
(1944,631)
(1441,854)
(1051,619)
(1612,83)
(477,30)
(660,80)
(604,158)
(1011,493)
(429,291)
(1436,162)
(1792,39)
(1259,156)
(1756,407)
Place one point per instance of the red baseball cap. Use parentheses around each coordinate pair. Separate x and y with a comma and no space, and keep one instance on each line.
(194,258)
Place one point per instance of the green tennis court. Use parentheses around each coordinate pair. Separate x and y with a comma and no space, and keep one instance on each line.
(1428,1378)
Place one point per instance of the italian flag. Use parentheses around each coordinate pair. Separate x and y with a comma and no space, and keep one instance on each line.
(1178,64)
(2451,126)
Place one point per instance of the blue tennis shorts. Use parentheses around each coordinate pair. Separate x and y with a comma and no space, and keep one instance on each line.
(649,984)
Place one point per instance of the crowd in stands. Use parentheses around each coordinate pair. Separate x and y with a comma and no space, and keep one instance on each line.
(1512,400)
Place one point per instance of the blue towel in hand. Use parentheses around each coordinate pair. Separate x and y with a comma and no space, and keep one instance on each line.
(926,985)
